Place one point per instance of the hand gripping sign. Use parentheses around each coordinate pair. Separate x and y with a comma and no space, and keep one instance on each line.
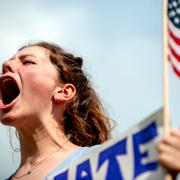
(131,155)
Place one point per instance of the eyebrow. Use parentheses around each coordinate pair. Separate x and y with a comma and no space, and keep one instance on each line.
(21,56)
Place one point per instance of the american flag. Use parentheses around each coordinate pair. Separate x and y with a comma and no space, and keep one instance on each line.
(174,35)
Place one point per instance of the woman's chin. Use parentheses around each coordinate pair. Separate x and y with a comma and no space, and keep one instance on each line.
(7,121)
(9,118)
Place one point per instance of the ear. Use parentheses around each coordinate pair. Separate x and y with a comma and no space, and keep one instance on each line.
(64,94)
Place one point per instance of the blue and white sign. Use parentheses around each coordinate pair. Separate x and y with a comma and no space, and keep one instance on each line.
(131,155)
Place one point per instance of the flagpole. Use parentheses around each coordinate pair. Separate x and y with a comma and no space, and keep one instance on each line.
(166,112)
(165,70)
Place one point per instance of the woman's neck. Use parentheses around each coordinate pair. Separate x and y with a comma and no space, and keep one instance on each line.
(37,143)
(42,148)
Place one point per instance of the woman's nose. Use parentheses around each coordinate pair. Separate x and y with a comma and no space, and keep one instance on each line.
(8,67)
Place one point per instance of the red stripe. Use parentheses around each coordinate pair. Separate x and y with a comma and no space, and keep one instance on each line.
(175,69)
(177,56)
(176,39)
(177,72)
(169,59)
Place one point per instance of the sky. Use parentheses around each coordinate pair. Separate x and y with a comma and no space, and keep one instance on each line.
(120,42)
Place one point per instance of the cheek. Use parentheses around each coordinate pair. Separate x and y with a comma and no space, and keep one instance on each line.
(39,84)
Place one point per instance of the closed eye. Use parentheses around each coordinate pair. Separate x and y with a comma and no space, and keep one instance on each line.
(28,62)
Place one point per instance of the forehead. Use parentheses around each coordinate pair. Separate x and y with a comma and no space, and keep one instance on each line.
(36,51)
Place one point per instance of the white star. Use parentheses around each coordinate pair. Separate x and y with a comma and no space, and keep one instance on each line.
(172,13)
(174,3)
(176,20)
(170,5)
(178,10)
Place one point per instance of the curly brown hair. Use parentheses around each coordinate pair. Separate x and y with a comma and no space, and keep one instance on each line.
(85,121)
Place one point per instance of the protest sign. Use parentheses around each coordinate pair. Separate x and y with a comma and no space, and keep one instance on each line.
(131,155)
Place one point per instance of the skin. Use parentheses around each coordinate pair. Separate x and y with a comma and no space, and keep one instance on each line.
(37,112)
(169,152)
(37,115)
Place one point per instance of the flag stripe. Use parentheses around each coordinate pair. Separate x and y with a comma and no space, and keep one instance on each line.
(173,29)
(174,61)
(173,45)
(175,38)
(177,56)
(174,67)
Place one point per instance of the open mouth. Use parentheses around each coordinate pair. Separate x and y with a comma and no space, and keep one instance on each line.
(9,89)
